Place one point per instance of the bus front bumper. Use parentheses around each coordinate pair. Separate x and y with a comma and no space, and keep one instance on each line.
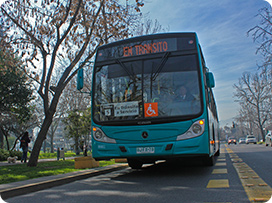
(160,150)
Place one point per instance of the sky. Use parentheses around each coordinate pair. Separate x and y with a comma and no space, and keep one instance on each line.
(221,26)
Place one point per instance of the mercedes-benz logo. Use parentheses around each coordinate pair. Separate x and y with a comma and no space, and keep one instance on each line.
(144,135)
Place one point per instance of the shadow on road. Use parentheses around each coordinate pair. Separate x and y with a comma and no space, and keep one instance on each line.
(186,167)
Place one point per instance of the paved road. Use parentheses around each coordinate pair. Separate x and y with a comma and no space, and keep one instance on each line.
(258,157)
(164,182)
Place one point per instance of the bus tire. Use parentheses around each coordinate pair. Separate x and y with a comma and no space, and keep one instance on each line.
(218,152)
(135,164)
(209,161)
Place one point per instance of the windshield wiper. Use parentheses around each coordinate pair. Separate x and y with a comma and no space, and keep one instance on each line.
(160,66)
(125,69)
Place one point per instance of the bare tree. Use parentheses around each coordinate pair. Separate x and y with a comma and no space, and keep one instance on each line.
(149,26)
(71,30)
(254,94)
(246,117)
(262,35)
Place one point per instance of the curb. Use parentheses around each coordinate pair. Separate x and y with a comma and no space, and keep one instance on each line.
(29,188)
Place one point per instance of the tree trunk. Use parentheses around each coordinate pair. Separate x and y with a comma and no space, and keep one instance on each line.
(33,161)
(3,134)
(15,142)
(1,138)
(262,132)
(39,141)
(52,143)
(7,142)
(51,134)
(77,146)
(44,145)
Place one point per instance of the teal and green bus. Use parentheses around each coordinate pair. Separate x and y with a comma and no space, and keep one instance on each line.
(152,100)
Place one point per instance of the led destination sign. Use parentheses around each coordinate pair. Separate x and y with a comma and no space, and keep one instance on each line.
(145,47)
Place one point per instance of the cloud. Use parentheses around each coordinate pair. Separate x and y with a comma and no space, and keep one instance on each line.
(269,1)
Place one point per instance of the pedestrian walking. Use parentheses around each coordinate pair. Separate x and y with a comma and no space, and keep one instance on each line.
(24,145)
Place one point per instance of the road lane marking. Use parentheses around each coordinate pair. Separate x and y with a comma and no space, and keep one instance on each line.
(220,171)
(255,187)
(221,164)
(223,151)
(221,159)
(218,183)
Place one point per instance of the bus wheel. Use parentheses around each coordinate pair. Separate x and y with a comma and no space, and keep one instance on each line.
(218,152)
(209,161)
(135,164)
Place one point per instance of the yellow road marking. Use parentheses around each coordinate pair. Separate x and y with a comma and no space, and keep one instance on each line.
(221,159)
(223,151)
(220,183)
(220,171)
(256,189)
(220,164)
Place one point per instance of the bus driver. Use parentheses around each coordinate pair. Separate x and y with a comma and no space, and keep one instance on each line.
(184,94)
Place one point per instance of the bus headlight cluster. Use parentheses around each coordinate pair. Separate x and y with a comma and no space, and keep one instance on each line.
(195,130)
(100,136)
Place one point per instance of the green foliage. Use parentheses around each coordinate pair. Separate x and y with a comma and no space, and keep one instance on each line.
(4,154)
(15,90)
(54,155)
(47,155)
(15,93)
(16,153)
(78,124)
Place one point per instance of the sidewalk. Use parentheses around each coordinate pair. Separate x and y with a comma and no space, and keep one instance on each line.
(5,163)
(28,186)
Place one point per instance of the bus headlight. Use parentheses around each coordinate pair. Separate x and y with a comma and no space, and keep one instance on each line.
(100,136)
(195,130)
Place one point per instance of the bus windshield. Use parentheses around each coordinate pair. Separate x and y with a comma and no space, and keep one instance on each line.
(147,89)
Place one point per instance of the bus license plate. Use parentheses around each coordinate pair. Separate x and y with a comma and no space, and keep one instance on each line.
(145,150)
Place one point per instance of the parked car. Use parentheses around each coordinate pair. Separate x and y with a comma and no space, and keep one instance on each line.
(251,139)
(242,141)
(232,140)
(268,139)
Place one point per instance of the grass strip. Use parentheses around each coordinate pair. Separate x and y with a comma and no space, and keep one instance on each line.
(19,172)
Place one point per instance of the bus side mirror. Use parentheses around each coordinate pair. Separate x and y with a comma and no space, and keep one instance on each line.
(210,80)
(80,79)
